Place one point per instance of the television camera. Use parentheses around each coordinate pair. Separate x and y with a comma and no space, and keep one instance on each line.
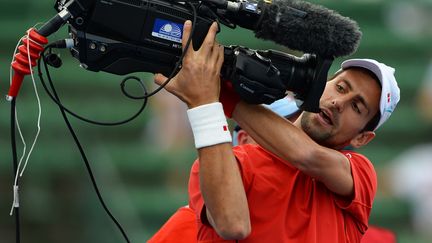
(126,36)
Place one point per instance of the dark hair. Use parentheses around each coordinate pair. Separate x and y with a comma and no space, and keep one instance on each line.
(373,122)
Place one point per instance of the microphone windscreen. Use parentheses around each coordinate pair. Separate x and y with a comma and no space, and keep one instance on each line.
(320,31)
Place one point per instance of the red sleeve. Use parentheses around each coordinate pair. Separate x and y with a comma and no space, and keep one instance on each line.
(365,186)
(196,201)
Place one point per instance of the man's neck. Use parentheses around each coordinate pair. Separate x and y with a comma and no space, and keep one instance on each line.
(297,122)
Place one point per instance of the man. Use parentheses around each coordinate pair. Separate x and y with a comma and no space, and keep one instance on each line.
(182,226)
(296,186)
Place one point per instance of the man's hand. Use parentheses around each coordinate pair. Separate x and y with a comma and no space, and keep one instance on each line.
(198,82)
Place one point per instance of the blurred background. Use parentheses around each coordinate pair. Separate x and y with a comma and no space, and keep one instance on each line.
(142,167)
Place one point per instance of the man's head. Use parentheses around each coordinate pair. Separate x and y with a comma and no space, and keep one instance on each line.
(356,101)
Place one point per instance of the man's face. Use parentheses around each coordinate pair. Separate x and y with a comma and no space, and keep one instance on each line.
(349,102)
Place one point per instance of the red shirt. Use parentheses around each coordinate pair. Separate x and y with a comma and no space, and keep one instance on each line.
(377,235)
(287,205)
(180,227)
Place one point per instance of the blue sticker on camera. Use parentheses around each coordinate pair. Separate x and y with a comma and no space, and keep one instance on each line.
(167,30)
(251,6)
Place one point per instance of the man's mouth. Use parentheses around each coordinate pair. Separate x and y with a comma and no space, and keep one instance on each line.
(326,116)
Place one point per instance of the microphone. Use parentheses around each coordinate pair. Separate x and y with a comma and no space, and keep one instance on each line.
(300,26)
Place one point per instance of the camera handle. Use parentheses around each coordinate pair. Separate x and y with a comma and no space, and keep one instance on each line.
(253,76)
(30,49)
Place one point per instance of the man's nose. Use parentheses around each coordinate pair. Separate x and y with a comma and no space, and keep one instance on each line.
(340,102)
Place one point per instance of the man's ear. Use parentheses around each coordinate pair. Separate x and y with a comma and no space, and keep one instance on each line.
(362,139)
(242,137)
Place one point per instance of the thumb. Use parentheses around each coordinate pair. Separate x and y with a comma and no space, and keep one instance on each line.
(159,78)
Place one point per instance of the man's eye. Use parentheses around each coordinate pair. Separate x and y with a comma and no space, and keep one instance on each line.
(339,87)
(356,108)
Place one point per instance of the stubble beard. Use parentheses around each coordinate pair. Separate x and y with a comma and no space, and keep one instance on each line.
(318,135)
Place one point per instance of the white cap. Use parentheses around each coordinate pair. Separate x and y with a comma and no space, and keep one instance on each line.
(390,92)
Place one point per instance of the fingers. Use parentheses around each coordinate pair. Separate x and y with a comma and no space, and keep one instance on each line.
(218,51)
(209,40)
(187,28)
(159,79)
(216,59)
(196,81)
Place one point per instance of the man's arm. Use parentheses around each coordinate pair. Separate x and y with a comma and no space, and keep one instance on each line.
(223,192)
(291,144)
(198,84)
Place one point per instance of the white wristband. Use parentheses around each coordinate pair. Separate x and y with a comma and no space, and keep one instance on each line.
(209,125)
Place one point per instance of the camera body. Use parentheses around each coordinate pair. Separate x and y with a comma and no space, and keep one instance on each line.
(125,36)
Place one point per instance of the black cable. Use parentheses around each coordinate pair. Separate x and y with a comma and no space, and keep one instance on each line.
(123,89)
(86,162)
(52,96)
(15,168)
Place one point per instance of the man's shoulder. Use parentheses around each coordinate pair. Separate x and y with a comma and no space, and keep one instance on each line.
(360,162)
(355,156)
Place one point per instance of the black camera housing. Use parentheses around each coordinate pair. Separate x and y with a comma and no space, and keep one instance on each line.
(125,36)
